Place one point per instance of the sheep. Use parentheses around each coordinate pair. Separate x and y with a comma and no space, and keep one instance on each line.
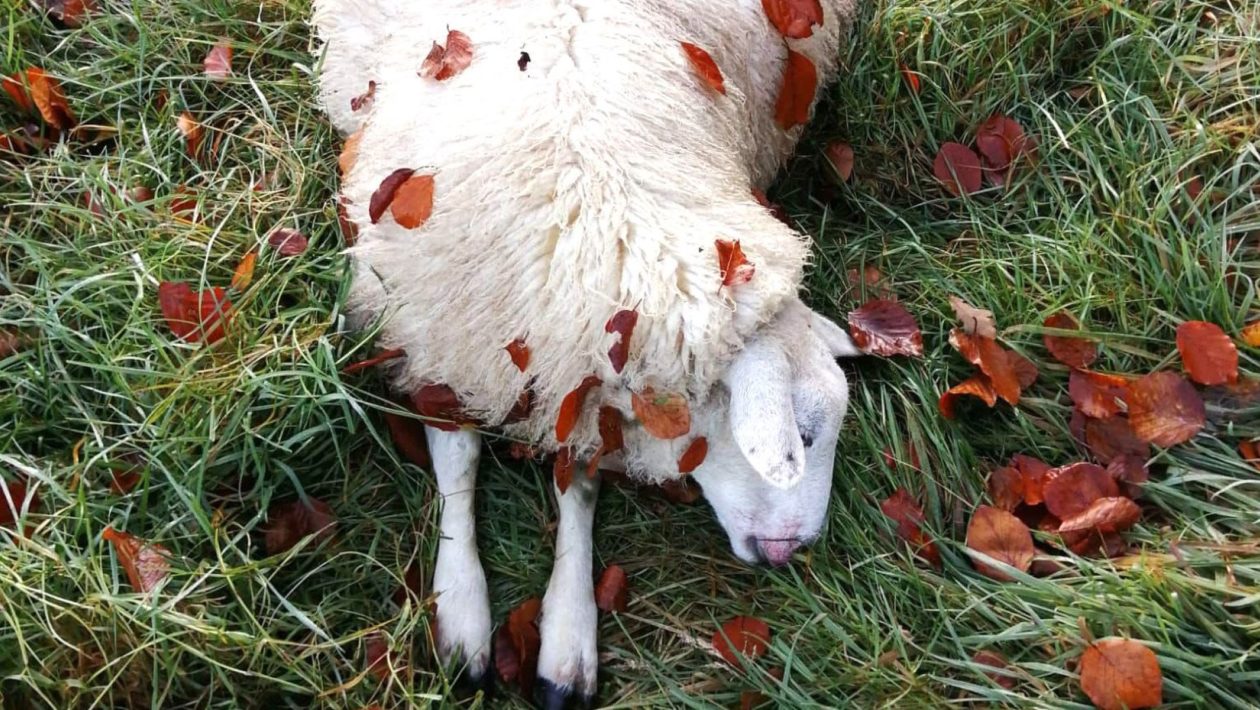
(581,168)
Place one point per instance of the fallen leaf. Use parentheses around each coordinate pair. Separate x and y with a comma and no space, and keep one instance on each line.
(1209,355)
(123,479)
(523,61)
(958,169)
(775,209)
(1001,142)
(1069,350)
(1105,515)
(1033,472)
(610,436)
(610,590)
(288,522)
(975,321)
(705,67)
(800,80)
(14,499)
(519,352)
(377,658)
(364,100)
(244,273)
(883,327)
(1121,674)
(218,61)
(413,202)
(562,468)
(145,563)
(1130,473)
(193,133)
(1089,543)
(1112,437)
(409,439)
(1070,490)
(571,407)
(902,509)
(287,242)
(1026,372)
(195,316)
(1097,394)
(622,323)
(998,662)
(911,78)
(412,588)
(441,406)
(36,90)
(839,156)
(1006,488)
(993,360)
(445,62)
(384,194)
(1251,334)
(694,455)
(794,19)
(68,12)
(516,646)
(742,637)
(1001,536)
(733,267)
(383,356)
(664,415)
(524,407)
(978,386)
(1164,409)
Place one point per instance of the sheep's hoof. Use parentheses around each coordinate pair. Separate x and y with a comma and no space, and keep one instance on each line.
(470,683)
(558,697)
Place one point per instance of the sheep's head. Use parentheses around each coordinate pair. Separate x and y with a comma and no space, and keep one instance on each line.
(768,470)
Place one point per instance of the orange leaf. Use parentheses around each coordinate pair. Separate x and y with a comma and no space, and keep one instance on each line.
(1097,394)
(705,67)
(800,80)
(445,62)
(1033,472)
(902,509)
(840,156)
(562,468)
(733,267)
(610,590)
(35,90)
(1073,352)
(244,272)
(622,323)
(1070,490)
(1210,357)
(571,407)
(377,658)
(993,361)
(193,133)
(958,169)
(975,321)
(911,77)
(413,201)
(145,563)
(1251,334)
(516,646)
(287,242)
(218,61)
(694,455)
(793,18)
(1164,409)
(383,356)
(1006,488)
(349,154)
(289,522)
(69,12)
(882,327)
(384,193)
(978,386)
(664,415)
(742,637)
(1113,437)
(1105,515)
(195,316)
(1121,674)
(519,352)
(998,662)
(1001,536)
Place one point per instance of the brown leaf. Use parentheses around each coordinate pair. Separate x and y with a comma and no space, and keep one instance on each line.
(744,637)
(978,386)
(1250,452)
(997,661)
(382,356)
(378,660)
(902,509)
(664,415)
(839,156)
(1033,471)
(1097,394)
(1112,437)
(1164,409)
(800,80)
(562,468)
(1130,473)
(290,521)
(516,646)
(1026,372)
(571,407)
(1070,490)
(1001,536)
(993,361)
(705,67)
(958,169)
(218,61)
(733,267)
(35,90)
(413,202)
(412,588)
(610,590)
(244,273)
(775,209)
(519,352)
(1071,351)
(195,316)
(13,499)
(384,194)
(882,327)
(1006,488)
(1209,355)
(1121,674)
(364,100)
(145,563)
(1001,142)
(409,438)
(193,133)
(441,406)
(694,455)
(622,323)
(287,242)
(794,19)
(1250,334)
(1104,515)
(975,321)
(445,62)
(610,435)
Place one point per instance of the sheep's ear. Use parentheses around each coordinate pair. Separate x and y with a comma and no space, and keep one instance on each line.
(762,421)
(833,336)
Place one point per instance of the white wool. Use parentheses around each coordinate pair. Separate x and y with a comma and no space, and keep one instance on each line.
(595,180)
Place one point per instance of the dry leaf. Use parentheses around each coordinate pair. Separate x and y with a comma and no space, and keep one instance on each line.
(195,316)
(1001,536)
(1251,334)
(349,155)
(409,439)
(1113,437)
(1121,674)
(1105,515)
(1070,490)
(384,193)
(793,18)
(610,590)
(733,267)
(519,352)
(365,99)
(622,323)
(978,386)
(840,156)
(796,94)
(742,637)
(413,202)
(996,661)
(1097,394)
(571,407)
(516,646)
(1164,409)
(911,78)
(1071,351)
(882,327)
(244,273)
(145,563)
(1209,355)
(562,468)
(694,455)
(218,61)
(287,242)
(445,62)
(288,522)
(705,67)
(68,12)
(958,169)
(193,133)
(902,509)
(975,321)
(441,407)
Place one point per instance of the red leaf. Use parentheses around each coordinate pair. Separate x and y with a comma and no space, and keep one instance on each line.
(290,521)
(196,316)
(442,407)
(413,202)
(145,563)
(244,272)
(1105,515)
(742,636)
(610,590)
(571,407)
(1209,355)
(349,156)
(840,156)
(1001,141)
(384,194)
(13,497)
(35,90)
(993,361)
(287,242)
(775,209)
(1097,394)
(1112,437)
(69,12)
(622,323)
(882,327)
(218,61)
(1121,674)
(1070,490)
(1026,372)
(800,80)
(562,468)
(958,169)
(364,100)
(1006,488)
(517,644)
(193,133)
(793,18)
(733,266)
(1073,352)
(445,62)
(1033,471)
(383,356)
(610,435)
(1130,474)
(997,661)
(664,415)
(408,437)
(1001,536)
(977,386)
(377,658)
(1164,409)
(705,67)
(694,455)
(911,77)
(412,587)
(902,509)
(519,352)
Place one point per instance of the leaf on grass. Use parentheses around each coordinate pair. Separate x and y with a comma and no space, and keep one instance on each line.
(14,500)
(978,386)
(1069,350)
(800,80)
(571,407)
(412,588)
(705,67)
(218,61)
(664,415)
(994,361)
(1250,334)
(958,169)
(1130,473)
(1097,394)
(193,133)
(622,323)
(883,327)
(290,521)
(383,196)
(1002,142)
(733,267)
(694,455)
(1006,488)
(287,242)
(975,321)
(442,407)
(794,19)
(776,209)
(839,156)
(195,316)
(1121,674)
(911,78)
(413,202)
(742,637)
(681,491)
(35,90)
(1112,437)
(516,646)
(1070,490)
(1033,472)
(364,100)
(1164,409)
(68,12)
(901,508)
(445,62)
(244,273)
(519,352)
(1001,536)
(610,590)
(378,659)
(1209,355)
(1104,515)
(409,439)
(145,563)
(1000,675)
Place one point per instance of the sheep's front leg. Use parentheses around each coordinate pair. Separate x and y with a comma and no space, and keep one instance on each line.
(567,660)
(463,605)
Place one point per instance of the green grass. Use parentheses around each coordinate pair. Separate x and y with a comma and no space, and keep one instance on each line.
(1128,101)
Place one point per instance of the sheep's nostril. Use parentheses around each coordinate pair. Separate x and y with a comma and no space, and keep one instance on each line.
(778,552)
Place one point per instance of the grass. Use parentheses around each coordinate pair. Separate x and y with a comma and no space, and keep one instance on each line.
(1128,100)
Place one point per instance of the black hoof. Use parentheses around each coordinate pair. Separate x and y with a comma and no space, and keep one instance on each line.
(550,696)
(470,684)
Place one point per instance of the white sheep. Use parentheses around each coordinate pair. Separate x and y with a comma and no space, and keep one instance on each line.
(582,167)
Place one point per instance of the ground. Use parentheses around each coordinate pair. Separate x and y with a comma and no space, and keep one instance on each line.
(1130,103)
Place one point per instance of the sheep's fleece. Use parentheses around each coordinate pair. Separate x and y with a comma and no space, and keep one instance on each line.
(596,178)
